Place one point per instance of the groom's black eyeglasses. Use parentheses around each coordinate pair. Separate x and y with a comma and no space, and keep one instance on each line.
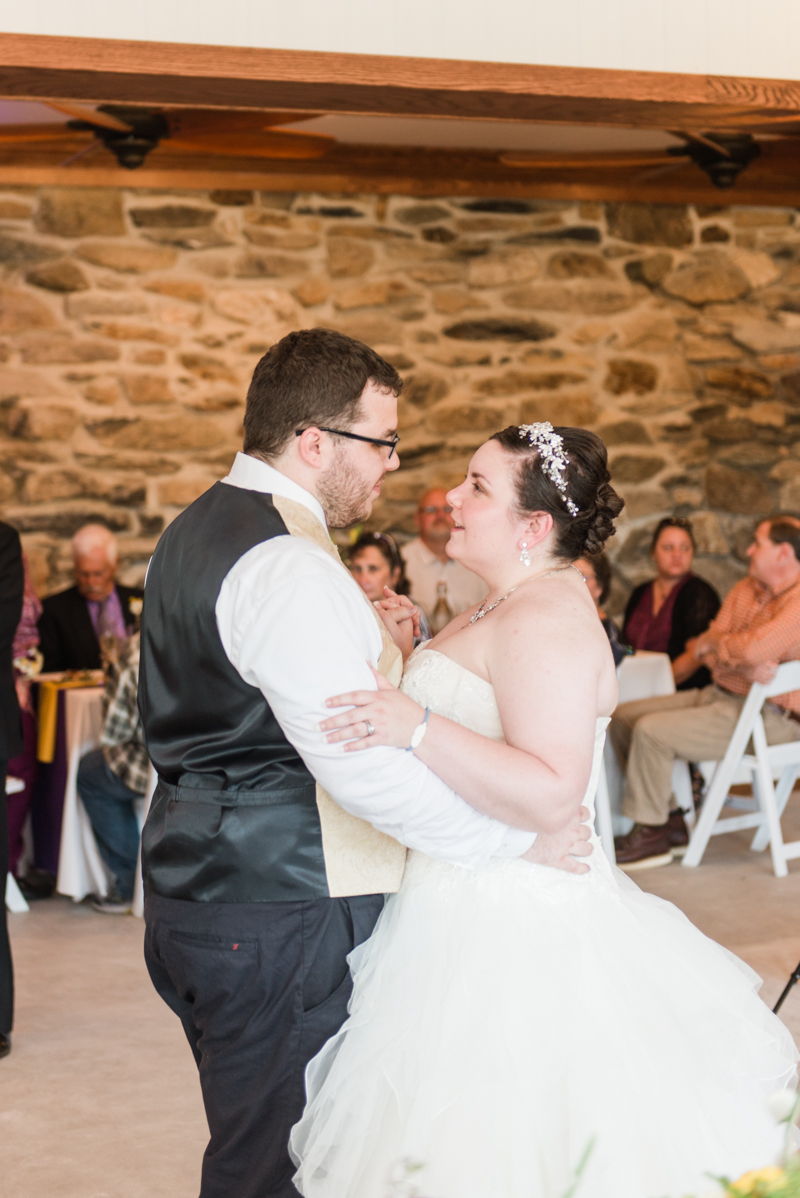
(337,432)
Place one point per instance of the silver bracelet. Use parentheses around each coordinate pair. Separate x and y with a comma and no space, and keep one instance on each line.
(419,732)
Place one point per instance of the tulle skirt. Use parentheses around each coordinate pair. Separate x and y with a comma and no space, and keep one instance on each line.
(504,1022)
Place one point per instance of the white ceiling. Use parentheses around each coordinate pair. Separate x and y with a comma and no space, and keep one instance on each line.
(759,38)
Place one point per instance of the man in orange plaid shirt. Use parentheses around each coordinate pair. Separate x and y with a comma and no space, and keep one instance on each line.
(757,627)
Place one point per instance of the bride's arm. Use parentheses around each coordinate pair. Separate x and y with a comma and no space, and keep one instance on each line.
(545,670)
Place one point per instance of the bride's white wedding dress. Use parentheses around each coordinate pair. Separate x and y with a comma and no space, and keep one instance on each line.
(502,1019)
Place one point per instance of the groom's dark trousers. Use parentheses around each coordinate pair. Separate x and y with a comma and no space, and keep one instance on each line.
(259,988)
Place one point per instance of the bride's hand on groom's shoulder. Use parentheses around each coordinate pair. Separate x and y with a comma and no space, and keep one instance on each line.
(561,849)
(401,619)
(391,714)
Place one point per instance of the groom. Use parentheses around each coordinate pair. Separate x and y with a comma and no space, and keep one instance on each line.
(267,852)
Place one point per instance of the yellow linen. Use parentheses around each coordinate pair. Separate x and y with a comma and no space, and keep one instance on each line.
(48,713)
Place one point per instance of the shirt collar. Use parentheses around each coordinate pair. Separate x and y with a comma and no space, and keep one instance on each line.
(778,594)
(254,475)
(429,557)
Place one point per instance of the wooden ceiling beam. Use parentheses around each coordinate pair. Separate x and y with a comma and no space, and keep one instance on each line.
(105,70)
(772,180)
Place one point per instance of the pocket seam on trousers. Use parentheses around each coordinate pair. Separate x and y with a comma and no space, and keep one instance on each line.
(226,944)
(313,1010)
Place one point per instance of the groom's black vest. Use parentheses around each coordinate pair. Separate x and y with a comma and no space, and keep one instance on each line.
(234,817)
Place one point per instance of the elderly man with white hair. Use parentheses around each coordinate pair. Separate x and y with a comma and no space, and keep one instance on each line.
(73,621)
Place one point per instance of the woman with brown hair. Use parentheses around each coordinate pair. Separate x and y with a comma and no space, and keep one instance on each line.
(376,564)
(666,614)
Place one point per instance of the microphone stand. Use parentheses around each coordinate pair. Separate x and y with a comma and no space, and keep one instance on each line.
(793,979)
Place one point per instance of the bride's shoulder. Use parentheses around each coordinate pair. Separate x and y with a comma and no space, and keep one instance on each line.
(552,609)
(561,593)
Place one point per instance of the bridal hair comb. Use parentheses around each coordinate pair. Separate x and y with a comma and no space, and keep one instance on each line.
(550,447)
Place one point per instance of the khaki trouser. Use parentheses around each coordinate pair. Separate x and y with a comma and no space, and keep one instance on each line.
(649,734)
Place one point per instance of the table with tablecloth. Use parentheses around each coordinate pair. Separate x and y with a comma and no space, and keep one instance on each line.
(70,714)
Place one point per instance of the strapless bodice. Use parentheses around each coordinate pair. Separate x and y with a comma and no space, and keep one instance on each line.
(451,690)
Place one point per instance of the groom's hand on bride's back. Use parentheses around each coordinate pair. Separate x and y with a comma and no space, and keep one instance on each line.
(561,850)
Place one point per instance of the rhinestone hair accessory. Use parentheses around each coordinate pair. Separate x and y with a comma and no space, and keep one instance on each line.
(554,462)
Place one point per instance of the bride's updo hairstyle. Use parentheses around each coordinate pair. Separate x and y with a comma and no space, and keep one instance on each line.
(585,483)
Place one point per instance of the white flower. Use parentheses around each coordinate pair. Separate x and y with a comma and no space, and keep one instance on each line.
(552,459)
(782,1105)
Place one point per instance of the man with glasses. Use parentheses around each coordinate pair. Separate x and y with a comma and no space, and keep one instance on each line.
(427,563)
(267,851)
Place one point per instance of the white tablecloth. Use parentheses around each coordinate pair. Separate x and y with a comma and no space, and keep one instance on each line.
(643,676)
(80,868)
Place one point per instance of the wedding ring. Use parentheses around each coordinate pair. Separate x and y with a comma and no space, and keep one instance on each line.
(370,728)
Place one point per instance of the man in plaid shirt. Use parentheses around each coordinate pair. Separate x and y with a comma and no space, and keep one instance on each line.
(757,628)
(113,777)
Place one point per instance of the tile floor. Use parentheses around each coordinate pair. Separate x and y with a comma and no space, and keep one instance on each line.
(99,1098)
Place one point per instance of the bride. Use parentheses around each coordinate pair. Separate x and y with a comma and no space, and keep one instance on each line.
(508,1021)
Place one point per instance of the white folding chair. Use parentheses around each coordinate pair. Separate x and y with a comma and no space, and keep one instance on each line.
(760,768)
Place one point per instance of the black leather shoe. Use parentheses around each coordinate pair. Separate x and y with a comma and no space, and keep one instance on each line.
(37,884)
(5,1044)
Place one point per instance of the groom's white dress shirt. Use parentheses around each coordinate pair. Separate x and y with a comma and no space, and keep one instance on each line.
(294,624)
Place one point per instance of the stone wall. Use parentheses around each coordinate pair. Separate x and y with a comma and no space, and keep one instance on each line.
(130,323)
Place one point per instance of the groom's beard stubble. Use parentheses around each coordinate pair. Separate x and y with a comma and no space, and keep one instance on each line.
(345,497)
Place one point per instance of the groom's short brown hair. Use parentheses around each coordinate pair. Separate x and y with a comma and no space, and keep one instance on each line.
(311,378)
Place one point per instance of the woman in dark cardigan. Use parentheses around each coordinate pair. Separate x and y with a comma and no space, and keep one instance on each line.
(668,613)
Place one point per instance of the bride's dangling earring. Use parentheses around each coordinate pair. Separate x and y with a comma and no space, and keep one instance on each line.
(525,557)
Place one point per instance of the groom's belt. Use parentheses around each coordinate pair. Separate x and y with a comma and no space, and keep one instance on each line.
(234,846)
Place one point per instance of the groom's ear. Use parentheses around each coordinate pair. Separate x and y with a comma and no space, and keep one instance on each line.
(311,448)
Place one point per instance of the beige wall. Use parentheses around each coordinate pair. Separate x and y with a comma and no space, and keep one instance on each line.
(130,323)
(757,38)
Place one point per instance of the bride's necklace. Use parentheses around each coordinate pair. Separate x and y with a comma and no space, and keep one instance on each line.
(483,610)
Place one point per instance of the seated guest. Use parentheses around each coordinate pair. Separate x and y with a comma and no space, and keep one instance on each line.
(113,777)
(665,615)
(72,621)
(427,563)
(596,571)
(375,563)
(757,628)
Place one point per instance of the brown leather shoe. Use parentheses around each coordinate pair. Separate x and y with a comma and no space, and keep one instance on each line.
(677,832)
(644,847)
